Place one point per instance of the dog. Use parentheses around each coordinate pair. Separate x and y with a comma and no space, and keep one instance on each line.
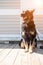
(29,40)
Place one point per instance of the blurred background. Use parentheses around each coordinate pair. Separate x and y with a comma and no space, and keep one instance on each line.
(10,19)
(38,14)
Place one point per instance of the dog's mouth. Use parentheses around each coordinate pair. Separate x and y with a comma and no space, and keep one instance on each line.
(25,18)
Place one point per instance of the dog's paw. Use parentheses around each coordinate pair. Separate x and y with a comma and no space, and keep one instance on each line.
(26,48)
(30,49)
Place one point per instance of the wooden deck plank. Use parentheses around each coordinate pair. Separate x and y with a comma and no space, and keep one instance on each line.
(4,54)
(6,51)
(27,59)
(40,55)
(13,55)
(18,58)
(40,58)
(34,59)
(24,58)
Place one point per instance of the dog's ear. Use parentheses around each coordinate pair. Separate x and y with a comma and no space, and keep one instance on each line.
(32,10)
(27,12)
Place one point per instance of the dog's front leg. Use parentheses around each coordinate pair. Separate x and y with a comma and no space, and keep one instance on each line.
(30,48)
(26,47)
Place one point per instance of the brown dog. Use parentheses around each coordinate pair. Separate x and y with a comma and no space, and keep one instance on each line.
(28,30)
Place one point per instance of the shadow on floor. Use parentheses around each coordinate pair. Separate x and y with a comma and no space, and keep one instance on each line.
(15,45)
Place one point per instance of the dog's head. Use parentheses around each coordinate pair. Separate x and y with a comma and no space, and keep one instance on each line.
(27,15)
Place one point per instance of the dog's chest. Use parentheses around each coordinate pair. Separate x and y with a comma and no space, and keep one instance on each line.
(28,27)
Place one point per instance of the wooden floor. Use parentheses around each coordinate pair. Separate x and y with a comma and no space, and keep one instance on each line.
(12,54)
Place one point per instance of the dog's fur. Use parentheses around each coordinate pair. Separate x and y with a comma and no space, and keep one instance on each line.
(28,31)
